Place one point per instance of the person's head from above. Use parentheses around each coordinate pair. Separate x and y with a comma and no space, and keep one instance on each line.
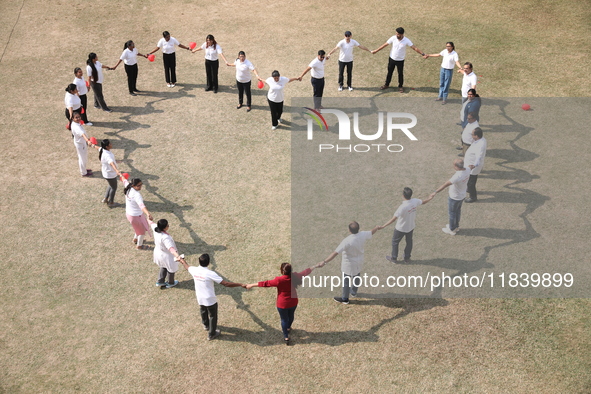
(400,33)
(407,193)
(204,260)
(353,227)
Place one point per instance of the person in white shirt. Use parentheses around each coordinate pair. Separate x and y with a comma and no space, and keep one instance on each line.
(243,80)
(212,64)
(352,250)
(129,58)
(316,67)
(275,95)
(448,63)
(82,90)
(397,54)
(167,44)
(458,184)
(73,103)
(81,142)
(166,255)
(109,170)
(208,302)
(346,47)
(467,139)
(135,210)
(94,70)
(475,161)
(469,80)
(406,215)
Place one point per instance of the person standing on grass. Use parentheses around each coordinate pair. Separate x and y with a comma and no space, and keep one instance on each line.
(346,47)
(166,255)
(82,90)
(243,80)
(352,250)
(397,54)
(457,184)
(135,210)
(208,302)
(81,142)
(167,44)
(316,67)
(287,295)
(406,215)
(275,95)
(109,170)
(129,57)
(73,103)
(212,64)
(450,59)
(475,161)
(94,70)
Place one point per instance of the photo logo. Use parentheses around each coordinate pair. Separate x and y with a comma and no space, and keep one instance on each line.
(318,118)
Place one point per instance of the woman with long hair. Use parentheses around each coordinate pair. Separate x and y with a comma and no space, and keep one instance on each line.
(73,103)
(275,95)
(471,105)
(81,143)
(243,80)
(94,70)
(135,209)
(129,58)
(166,255)
(167,44)
(212,50)
(287,295)
(109,170)
(448,63)
(82,90)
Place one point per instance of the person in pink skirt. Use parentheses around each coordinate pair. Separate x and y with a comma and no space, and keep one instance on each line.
(135,210)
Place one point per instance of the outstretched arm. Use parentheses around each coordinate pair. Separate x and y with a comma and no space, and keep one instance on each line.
(384,45)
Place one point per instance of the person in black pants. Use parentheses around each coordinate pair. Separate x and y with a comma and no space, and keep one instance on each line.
(129,57)
(212,50)
(167,44)
(243,69)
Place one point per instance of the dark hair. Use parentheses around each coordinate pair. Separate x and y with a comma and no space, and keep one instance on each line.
(134,182)
(76,70)
(127,44)
(468,64)
(91,57)
(71,87)
(354,227)
(210,37)
(400,30)
(204,260)
(452,44)
(241,53)
(473,91)
(104,144)
(275,73)
(478,132)
(407,193)
(161,225)
(165,33)
(348,33)
(296,279)
(321,52)
(472,114)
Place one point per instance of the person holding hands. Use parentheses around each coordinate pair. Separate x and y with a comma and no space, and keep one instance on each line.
(129,57)
(243,70)
(167,44)
(316,67)
(346,47)
(449,61)
(275,95)
(212,64)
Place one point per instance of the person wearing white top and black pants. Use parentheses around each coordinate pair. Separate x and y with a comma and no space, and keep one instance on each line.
(82,90)
(81,142)
(109,170)
(129,57)
(94,70)
(346,47)
(212,65)
(243,69)
(397,54)
(73,103)
(406,215)
(275,95)
(167,44)
(316,67)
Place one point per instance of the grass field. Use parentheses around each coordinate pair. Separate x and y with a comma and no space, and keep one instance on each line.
(79,309)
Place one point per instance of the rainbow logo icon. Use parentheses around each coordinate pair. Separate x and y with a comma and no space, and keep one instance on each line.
(318,118)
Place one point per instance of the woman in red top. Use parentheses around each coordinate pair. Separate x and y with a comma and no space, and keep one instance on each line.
(287,296)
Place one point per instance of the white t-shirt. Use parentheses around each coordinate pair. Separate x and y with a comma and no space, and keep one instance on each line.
(204,279)
(78,132)
(81,86)
(99,70)
(398,50)
(72,100)
(406,214)
(475,156)
(129,57)
(317,70)
(167,46)
(210,52)
(352,249)
(449,59)
(243,70)
(468,82)
(467,133)
(346,50)
(275,93)
(106,159)
(459,184)
(134,202)
(162,255)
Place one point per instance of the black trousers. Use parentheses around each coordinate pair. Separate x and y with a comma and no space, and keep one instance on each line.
(99,100)
(342,66)
(276,111)
(209,317)
(244,87)
(169,67)
(396,238)
(84,102)
(131,72)
(76,111)
(211,71)
(472,187)
(318,86)
(392,64)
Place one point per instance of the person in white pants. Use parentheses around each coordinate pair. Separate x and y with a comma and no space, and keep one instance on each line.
(81,142)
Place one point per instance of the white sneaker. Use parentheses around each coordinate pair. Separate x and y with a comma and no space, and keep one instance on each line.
(448,231)
(274,127)
(350,89)
(280,120)
(168,84)
(340,88)
(88,124)
(172,85)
